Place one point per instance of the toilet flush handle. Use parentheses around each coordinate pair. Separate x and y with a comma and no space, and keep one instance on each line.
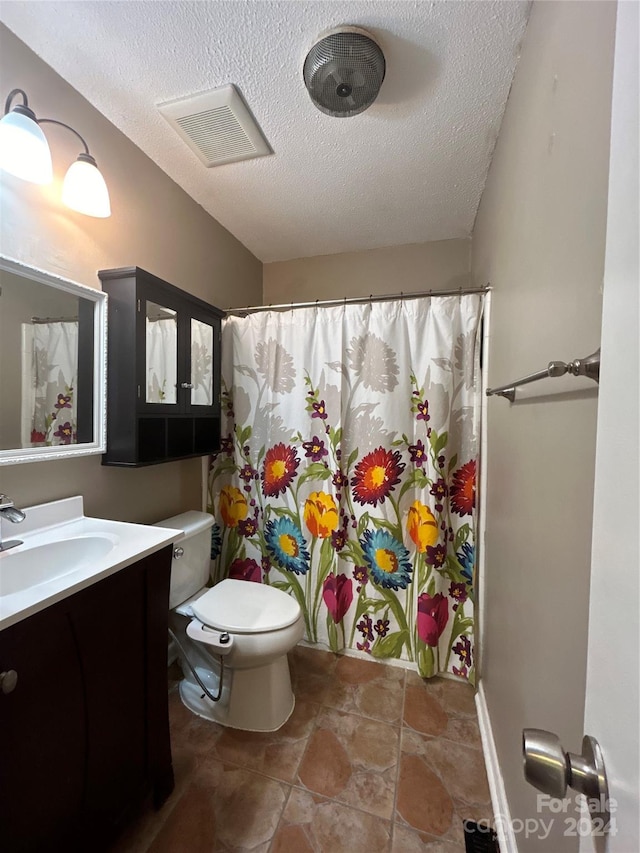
(220,641)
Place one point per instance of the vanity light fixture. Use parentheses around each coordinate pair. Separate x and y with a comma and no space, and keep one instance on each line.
(24,152)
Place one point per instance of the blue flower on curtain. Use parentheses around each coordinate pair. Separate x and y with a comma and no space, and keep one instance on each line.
(388,560)
(286,545)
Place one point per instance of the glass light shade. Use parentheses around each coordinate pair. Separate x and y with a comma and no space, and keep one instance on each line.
(84,189)
(24,150)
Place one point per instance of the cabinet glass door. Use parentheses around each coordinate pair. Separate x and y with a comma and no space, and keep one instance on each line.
(202,337)
(161,354)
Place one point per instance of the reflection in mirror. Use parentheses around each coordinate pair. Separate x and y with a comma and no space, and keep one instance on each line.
(201,363)
(49,329)
(162,354)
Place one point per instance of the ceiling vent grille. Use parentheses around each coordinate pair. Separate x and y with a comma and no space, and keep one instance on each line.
(217,126)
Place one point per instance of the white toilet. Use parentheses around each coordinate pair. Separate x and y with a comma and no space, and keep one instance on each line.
(232,639)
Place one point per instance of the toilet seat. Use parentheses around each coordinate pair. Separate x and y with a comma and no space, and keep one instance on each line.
(244,607)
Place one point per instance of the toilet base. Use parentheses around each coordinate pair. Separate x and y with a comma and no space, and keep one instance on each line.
(256,700)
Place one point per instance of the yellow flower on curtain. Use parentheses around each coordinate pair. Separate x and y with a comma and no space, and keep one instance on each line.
(233,506)
(321,514)
(422,526)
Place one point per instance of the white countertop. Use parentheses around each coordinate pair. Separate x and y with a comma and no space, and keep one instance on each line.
(59,521)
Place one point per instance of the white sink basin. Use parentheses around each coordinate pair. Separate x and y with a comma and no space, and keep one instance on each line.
(22,569)
(63,551)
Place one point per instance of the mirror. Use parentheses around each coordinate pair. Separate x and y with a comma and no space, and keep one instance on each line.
(52,366)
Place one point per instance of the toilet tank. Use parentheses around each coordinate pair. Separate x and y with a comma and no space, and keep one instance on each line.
(191,554)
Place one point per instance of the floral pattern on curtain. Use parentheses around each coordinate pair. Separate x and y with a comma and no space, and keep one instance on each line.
(347,474)
(50,375)
(161,360)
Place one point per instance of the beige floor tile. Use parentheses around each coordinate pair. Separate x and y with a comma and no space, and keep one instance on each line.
(311,673)
(328,827)
(367,688)
(406,840)
(276,754)
(461,768)
(224,809)
(441,707)
(190,732)
(460,772)
(423,802)
(352,759)
(455,696)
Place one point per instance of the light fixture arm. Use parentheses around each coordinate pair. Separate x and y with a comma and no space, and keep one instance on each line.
(25,104)
(62,124)
(12,94)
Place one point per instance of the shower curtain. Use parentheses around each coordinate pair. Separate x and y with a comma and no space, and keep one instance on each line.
(347,472)
(49,379)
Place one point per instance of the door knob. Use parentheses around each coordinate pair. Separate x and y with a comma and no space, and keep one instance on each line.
(550,769)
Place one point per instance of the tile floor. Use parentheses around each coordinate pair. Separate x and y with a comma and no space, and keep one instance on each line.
(373,760)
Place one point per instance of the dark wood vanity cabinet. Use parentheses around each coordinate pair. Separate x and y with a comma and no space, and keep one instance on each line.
(86,729)
(163,371)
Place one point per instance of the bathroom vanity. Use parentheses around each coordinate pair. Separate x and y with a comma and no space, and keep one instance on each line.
(83,711)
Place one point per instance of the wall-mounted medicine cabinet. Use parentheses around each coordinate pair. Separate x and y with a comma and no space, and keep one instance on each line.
(163,389)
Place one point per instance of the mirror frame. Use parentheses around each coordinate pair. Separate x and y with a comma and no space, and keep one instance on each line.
(99,298)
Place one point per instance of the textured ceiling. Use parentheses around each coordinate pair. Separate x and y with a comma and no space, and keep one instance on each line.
(408,170)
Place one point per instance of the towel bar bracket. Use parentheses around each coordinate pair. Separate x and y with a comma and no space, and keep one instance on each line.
(589,367)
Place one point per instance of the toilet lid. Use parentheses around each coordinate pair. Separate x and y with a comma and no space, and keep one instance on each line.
(245,607)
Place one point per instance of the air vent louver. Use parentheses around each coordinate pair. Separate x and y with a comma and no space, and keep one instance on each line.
(217,126)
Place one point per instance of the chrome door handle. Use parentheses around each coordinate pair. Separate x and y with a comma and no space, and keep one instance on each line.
(186,384)
(550,769)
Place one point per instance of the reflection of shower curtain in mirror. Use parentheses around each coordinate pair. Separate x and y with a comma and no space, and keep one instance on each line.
(201,361)
(49,382)
(162,358)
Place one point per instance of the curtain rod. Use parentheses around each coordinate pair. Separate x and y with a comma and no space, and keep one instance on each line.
(287,306)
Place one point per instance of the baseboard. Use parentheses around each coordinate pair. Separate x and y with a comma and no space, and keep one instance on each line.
(499,802)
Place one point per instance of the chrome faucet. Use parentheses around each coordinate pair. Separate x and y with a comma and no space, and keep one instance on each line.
(12,513)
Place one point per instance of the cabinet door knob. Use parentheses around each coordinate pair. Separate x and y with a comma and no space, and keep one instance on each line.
(178,552)
(8,680)
(186,384)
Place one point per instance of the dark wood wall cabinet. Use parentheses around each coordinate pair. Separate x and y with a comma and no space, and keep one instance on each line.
(163,371)
(86,727)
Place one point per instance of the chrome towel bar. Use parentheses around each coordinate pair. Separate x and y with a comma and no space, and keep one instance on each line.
(589,367)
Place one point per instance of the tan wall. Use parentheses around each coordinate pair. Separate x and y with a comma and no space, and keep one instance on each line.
(539,238)
(154,225)
(416,266)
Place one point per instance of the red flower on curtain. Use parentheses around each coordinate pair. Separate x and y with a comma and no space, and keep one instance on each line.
(433,615)
(245,570)
(279,469)
(463,489)
(337,593)
(375,476)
